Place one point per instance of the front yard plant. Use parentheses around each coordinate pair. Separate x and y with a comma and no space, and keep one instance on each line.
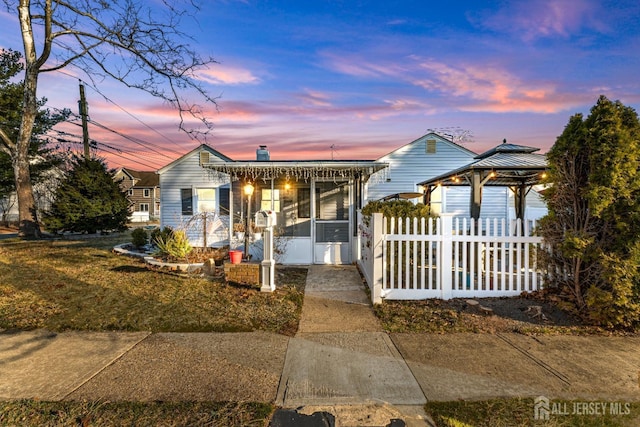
(139,237)
(592,229)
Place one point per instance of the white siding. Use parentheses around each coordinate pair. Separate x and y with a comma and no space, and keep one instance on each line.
(410,164)
(536,207)
(187,173)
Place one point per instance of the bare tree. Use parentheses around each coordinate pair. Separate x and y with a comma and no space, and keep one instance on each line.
(126,40)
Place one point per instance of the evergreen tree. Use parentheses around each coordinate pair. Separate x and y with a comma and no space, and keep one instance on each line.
(593,225)
(43,157)
(88,200)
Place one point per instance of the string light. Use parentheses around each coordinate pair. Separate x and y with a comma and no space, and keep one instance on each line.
(298,172)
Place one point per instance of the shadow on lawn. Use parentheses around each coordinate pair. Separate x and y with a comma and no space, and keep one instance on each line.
(69,285)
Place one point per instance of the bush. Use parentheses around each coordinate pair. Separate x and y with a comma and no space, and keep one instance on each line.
(88,200)
(397,208)
(163,234)
(592,230)
(139,237)
(175,245)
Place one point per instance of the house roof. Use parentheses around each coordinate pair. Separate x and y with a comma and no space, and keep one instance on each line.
(432,135)
(143,178)
(198,149)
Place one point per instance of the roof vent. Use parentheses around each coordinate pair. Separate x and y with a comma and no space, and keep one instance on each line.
(262,154)
(204,157)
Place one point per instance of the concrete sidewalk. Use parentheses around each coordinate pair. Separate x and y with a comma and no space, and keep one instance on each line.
(340,360)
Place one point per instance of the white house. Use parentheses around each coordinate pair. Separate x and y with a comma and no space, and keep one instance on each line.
(191,195)
(315,201)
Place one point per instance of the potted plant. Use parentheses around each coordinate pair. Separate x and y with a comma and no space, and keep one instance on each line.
(238,230)
(256,232)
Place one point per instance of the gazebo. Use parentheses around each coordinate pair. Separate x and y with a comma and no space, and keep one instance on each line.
(506,165)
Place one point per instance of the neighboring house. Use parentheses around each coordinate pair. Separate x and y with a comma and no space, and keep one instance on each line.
(143,192)
(43,194)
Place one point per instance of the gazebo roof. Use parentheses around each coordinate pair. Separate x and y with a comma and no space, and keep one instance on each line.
(504,165)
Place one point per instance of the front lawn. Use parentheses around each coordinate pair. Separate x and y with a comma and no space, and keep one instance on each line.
(517,412)
(81,285)
(72,414)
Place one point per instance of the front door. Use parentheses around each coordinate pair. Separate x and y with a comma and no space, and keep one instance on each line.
(332,231)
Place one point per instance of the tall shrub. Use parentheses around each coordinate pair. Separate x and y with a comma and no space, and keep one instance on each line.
(88,200)
(593,225)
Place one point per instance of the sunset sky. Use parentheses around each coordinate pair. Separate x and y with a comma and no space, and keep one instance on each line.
(367,77)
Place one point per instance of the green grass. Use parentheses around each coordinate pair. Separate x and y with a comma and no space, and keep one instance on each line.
(82,285)
(36,413)
(518,412)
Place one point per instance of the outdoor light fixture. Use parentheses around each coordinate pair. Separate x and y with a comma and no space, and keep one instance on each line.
(492,174)
(543,175)
(248,191)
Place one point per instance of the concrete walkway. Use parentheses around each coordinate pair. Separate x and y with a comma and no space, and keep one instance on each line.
(339,361)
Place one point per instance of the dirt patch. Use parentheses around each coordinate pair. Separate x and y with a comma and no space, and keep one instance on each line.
(531,314)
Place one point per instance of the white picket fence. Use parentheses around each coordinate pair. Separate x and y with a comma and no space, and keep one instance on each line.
(447,257)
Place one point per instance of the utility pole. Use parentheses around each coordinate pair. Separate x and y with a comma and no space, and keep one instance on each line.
(82,106)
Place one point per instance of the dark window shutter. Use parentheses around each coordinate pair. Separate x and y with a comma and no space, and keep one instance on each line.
(187,201)
(224,201)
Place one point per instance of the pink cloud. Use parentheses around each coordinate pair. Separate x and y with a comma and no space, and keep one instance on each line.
(491,89)
(545,18)
(316,98)
(218,74)
(361,67)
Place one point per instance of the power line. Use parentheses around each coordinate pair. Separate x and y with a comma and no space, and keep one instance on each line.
(114,151)
(133,117)
(132,139)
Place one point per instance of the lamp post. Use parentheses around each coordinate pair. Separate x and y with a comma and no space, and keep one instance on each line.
(248,191)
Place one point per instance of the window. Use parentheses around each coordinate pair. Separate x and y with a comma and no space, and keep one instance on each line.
(146,192)
(206,199)
(431,146)
(267,197)
(130,192)
(186,195)
(304,202)
(144,207)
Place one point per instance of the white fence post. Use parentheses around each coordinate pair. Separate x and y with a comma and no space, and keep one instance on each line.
(445,267)
(376,257)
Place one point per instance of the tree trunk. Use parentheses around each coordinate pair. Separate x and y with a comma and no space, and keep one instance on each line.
(29,226)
